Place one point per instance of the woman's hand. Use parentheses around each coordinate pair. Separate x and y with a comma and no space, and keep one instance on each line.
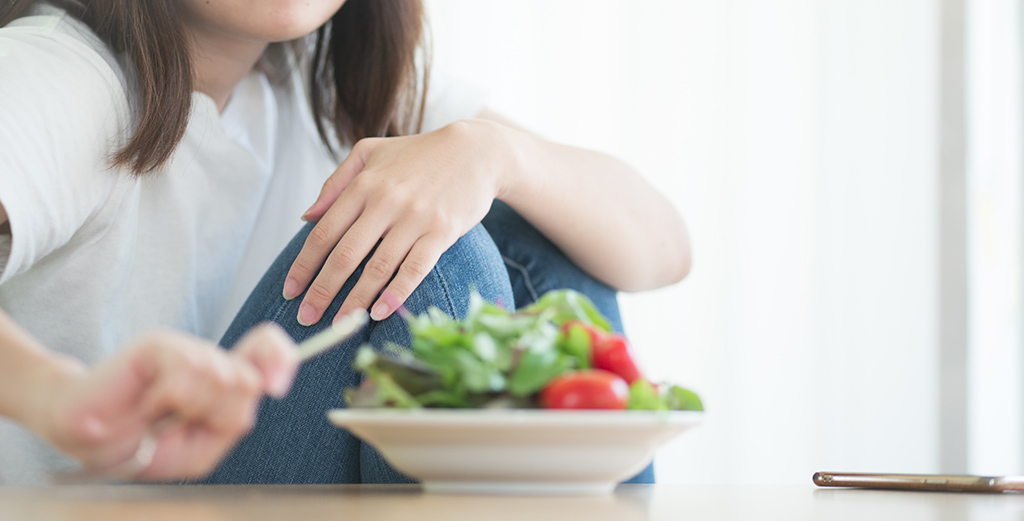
(416,195)
(193,397)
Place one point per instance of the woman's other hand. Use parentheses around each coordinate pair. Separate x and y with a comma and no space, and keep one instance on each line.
(416,195)
(193,397)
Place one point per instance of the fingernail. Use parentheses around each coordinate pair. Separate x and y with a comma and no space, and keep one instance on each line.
(291,289)
(379,311)
(389,297)
(306,314)
(339,317)
(305,215)
(279,385)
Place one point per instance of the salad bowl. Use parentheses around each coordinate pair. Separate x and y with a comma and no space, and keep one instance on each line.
(516,451)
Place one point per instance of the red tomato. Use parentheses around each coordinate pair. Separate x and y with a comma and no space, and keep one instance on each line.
(611,353)
(587,389)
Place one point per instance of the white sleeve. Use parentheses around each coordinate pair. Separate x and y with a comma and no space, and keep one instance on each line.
(450,99)
(62,111)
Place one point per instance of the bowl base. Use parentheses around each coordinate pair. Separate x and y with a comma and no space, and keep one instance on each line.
(540,488)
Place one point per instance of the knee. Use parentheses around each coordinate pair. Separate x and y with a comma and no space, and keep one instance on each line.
(472,263)
(474,252)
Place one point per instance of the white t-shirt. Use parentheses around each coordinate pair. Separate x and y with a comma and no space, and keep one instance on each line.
(97,256)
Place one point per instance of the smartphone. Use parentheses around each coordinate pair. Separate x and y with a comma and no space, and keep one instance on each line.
(920,482)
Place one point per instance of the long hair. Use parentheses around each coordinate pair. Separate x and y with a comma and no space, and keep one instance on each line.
(363,78)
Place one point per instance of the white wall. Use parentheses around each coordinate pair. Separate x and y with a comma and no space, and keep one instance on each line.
(798,138)
(994,167)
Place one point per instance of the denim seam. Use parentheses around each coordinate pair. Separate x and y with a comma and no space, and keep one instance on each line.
(280,310)
(526,276)
(444,287)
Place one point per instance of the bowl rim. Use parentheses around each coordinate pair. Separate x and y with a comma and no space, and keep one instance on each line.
(512,417)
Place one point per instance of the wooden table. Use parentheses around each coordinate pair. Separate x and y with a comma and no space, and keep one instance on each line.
(401,502)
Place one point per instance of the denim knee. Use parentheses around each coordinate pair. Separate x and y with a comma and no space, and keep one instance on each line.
(292,441)
(473,263)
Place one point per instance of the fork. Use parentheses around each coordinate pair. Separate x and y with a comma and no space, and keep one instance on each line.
(143,457)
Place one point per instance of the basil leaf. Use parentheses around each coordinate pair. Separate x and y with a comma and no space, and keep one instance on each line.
(682,399)
(535,369)
(569,305)
(643,396)
(576,343)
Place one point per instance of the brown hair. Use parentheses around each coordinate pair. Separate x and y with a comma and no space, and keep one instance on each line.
(362,80)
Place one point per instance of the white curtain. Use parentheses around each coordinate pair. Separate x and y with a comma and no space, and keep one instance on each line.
(800,140)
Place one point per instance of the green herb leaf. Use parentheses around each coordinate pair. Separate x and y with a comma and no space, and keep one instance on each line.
(536,369)
(644,396)
(577,344)
(568,305)
(682,399)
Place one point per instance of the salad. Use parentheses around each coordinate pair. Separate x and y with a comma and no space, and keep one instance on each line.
(557,353)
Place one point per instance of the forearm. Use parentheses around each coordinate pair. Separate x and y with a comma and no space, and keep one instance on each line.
(26,368)
(599,211)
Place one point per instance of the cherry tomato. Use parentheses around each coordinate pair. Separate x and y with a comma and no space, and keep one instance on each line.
(587,389)
(611,353)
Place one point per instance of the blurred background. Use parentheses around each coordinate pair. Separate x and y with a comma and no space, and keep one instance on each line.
(850,171)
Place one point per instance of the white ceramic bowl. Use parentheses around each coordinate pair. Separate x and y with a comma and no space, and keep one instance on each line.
(516,450)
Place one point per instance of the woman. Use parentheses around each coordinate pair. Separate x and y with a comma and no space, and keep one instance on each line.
(154,160)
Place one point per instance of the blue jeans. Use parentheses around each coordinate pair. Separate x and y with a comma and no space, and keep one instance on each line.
(504,258)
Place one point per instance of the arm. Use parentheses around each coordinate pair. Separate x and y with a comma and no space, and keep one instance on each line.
(26,367)
(597,209)
(418,194)
(193,397)
(27,370)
